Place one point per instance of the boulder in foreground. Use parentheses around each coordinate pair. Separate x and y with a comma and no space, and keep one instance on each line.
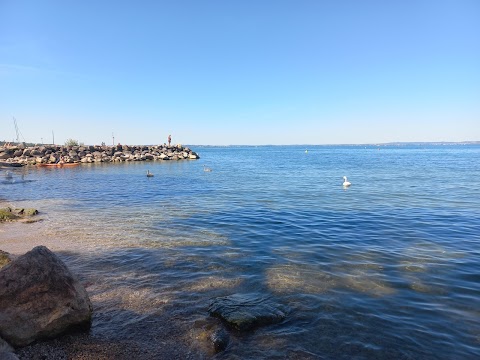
(246,311)
(40,298)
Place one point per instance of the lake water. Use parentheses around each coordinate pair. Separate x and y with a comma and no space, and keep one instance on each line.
(386,269)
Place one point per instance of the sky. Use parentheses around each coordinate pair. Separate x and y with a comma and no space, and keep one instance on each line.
(227,72)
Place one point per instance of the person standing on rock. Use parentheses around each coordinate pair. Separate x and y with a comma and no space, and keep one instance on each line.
(169,139)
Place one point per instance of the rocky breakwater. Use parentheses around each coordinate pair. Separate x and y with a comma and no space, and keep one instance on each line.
(50,154)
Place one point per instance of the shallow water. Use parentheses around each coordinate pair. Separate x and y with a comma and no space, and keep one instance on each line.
(387,268)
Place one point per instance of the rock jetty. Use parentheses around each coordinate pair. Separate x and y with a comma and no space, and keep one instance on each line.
(50,154)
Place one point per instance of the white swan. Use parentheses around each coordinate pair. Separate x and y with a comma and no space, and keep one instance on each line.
(346,182)
(205,168)
(149,174)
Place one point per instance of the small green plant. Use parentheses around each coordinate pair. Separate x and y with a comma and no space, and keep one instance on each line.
(71,142)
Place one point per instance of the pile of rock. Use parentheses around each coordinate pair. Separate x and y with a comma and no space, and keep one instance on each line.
(50,154)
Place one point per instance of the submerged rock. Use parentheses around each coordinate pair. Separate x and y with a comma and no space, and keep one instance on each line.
(23,214)
(26,211)
(246,311)
(211,335)
(6,214)
(40,298)
(219,339)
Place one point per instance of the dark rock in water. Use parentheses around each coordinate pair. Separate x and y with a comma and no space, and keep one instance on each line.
(220,339)
(40,298)
(246,311)
(211,335)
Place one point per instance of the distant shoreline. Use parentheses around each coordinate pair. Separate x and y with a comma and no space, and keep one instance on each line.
(366,144)
(393,143)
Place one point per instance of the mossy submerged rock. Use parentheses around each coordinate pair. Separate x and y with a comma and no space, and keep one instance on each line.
(26,211)
(6,214)
(9,214)
(246,311)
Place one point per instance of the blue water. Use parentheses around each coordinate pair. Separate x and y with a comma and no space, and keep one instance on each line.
(386,269)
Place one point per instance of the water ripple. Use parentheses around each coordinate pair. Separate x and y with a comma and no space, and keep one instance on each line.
(386,269)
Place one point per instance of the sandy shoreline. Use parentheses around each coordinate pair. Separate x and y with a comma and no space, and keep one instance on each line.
(166,339)
(18,238)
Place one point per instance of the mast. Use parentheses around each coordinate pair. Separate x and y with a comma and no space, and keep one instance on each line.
(16,130)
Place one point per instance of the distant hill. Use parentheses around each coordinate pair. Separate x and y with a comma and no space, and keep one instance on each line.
(2,143)
(433,143)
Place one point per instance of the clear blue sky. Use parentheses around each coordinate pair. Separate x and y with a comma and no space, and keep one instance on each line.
(240,71)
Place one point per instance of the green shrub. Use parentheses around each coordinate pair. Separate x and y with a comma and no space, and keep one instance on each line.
(71,142)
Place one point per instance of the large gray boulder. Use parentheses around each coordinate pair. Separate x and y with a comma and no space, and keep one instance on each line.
(40,298)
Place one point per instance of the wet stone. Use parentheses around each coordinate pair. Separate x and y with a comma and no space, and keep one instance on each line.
(219,339)
(246,311)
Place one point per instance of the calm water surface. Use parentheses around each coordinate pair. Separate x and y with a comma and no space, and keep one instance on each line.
(386,269)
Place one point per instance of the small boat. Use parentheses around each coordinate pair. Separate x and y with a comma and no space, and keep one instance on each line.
(206,168)
(10,164)
(149,174)
(59,165)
